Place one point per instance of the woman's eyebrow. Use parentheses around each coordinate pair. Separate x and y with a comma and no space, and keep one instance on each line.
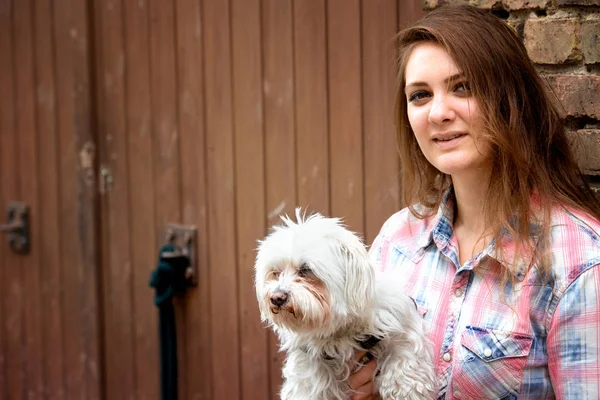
(448,79)
(454,77)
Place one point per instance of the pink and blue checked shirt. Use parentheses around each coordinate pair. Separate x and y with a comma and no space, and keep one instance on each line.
(541,341)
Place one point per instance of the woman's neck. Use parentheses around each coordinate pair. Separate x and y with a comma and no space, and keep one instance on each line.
(469,206)
(469,218)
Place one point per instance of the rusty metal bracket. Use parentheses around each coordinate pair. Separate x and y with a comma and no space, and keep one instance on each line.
(17,227)
(183,238)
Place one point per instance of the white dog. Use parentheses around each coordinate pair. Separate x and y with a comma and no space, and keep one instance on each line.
(316,287)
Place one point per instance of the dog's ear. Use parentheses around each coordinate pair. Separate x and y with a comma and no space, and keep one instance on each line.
(360,278)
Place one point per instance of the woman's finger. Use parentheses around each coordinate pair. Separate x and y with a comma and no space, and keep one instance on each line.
(360,373)
(360,360)
(364,392)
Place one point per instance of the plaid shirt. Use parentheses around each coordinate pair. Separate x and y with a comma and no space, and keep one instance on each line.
(541,340)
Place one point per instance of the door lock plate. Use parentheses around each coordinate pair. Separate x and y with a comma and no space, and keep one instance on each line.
(183,238)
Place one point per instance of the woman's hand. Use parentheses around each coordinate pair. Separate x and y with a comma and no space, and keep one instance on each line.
(361,379)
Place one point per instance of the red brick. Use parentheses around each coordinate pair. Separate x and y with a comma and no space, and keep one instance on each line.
(524,4)
(578,2)
(552,41)
(586,146)
(590,41)
(579,95)
(487,4)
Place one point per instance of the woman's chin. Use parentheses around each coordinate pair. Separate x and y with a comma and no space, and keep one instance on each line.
(460,164)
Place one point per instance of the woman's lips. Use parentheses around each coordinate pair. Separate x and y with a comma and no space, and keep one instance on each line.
(447,141)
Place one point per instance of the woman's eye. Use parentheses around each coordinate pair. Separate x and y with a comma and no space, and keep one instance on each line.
(418,95)
(462,87)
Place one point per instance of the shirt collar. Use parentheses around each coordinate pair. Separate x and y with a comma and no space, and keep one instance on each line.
(440,229)
(517,259)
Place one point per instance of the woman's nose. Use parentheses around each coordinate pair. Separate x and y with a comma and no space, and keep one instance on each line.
(441,110)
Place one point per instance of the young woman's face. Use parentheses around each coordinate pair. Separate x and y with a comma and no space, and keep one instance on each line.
(442,113)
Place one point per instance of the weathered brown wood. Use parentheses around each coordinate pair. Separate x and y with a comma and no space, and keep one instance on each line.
(280,159)
(167,172)
(409,12)
(26,171)
(379,21)
(115,209)
(345,112)
(81,308)
(250,190)
(140,150)
(48,208)
(312,141)
(197,345)
(221,201)
(11,278)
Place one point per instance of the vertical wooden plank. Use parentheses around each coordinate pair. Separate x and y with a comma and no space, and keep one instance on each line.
(72,334)
(409,12)
(250,187)
(312,142)
(26,131)
(116,266)
(6,132)
(221,201)
(280,166)
(143,223)
(164,113)
(12,302)
(345,111)
(81,309)
(381,157)
(163,76)
(49,245)
(196,332)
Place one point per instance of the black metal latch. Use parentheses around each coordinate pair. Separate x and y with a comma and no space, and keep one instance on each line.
(17,227)
(174,273)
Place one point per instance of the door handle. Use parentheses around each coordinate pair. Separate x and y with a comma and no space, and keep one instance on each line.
(17,227)
(174,272)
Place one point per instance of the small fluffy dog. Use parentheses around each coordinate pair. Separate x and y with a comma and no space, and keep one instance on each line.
(316,287)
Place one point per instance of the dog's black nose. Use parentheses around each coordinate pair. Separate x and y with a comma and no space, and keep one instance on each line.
(279,298)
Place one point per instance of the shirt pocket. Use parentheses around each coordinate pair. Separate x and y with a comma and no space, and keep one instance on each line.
(491,364)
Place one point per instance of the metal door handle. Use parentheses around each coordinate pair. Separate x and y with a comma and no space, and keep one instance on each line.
(17,227)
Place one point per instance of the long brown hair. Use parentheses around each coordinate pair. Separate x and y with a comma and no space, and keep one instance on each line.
(529,149)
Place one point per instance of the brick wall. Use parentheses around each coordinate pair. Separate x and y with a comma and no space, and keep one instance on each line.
(563,38)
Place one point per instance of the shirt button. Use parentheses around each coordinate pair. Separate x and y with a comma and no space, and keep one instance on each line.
(487,353)
(447,357)
(459,292)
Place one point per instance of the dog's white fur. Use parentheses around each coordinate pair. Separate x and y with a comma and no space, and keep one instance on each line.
(334,301)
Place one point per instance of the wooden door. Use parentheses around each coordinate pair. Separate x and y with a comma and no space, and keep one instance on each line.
(51,317)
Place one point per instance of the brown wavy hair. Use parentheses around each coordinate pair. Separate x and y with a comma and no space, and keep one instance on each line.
(530,151)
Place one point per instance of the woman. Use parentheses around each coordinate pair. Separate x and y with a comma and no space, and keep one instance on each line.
(501,250)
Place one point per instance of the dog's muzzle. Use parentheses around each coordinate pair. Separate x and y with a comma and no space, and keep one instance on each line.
(279,299)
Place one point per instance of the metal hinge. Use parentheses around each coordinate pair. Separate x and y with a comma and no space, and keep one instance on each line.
(106,180)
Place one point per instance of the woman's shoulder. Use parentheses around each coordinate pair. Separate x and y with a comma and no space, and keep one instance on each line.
(570,226)
(574,242)
(406,227)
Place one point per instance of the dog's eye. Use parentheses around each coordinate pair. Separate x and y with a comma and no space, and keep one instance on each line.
(275,273)
(304,270)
